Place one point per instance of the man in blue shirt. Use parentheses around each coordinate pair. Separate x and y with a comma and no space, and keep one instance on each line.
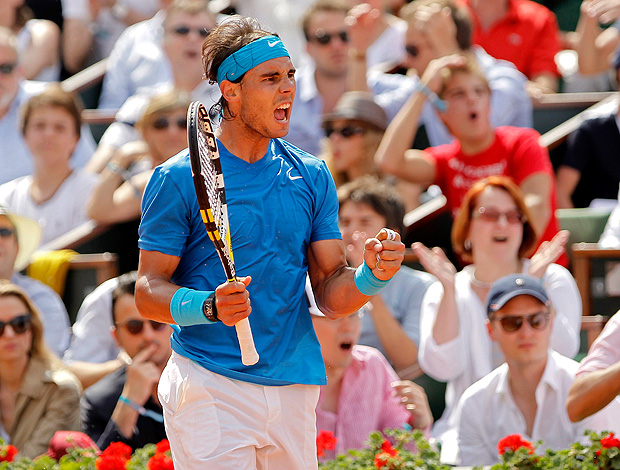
(284,223)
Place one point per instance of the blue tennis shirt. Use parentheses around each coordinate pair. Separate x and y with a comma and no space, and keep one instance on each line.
(277,207)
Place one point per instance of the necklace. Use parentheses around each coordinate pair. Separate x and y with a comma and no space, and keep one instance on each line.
(478,283)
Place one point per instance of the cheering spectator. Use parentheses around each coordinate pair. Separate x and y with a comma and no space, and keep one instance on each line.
(118,195)
(15,158)
(494,232)
(479,150)
(51,124)
(392,318)
(37,395)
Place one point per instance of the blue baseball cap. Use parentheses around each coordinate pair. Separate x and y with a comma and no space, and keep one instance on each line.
(511,286)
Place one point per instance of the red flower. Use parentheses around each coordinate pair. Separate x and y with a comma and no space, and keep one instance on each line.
(111,462)
(513,442)
(8,453)
(160,461)
(325,440)
(387,451)
(610,441)
(118,449)
(162,446)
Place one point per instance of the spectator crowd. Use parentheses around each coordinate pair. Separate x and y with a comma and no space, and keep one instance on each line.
(407,102)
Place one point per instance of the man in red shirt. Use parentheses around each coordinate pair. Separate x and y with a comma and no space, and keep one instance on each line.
(478,151)
(522,32)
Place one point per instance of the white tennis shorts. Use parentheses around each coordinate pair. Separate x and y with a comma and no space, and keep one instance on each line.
(214,422)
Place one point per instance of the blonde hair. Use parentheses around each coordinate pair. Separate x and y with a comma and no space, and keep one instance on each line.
(163,103)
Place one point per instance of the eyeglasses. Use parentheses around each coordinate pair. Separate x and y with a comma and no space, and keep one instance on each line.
(135,327)
(513,216)
(165,123)
(346,131)
(19,324)
(510,324)
(323,37)
(6,232)
(7,69)
(413,51)
(185,30)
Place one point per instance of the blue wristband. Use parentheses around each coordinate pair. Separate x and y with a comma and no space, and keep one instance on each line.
(186,307)
(435,100)
(366,282)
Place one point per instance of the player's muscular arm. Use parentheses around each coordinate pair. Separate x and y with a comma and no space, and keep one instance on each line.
(333,281)
(153,287)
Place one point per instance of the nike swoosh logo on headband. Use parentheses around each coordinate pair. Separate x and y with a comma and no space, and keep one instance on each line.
(271,44)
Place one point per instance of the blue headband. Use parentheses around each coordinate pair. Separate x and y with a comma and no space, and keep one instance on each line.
(249,56)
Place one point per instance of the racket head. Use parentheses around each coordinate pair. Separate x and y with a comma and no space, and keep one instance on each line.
(209,183)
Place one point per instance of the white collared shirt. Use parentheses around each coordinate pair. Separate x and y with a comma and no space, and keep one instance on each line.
(487,412)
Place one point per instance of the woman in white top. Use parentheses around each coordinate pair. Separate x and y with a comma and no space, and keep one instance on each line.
(493,232)
(55,194)
(38,41)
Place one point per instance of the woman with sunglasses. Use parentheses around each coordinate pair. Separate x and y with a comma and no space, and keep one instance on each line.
(118,194)
(37,395)
(354,130)
(494,233)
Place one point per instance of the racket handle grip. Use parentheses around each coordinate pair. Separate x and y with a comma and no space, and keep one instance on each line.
(249,356)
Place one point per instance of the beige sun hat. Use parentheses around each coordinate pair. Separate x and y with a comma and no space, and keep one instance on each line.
(28,236)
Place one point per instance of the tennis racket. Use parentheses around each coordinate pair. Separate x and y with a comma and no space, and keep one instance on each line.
(209,184)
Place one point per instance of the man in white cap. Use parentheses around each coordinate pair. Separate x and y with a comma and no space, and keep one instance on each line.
(19,238)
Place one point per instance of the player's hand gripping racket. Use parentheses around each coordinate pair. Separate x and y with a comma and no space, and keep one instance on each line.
(209,184)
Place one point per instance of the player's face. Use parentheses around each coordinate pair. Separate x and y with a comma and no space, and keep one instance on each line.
(9,76)
(337,338)
(527,345)
(266,98)
(50,135)
(419,51)
(166,135)
(499,239)
(357,222)
(329,56)
(8,248)
(125,311)
(469,104)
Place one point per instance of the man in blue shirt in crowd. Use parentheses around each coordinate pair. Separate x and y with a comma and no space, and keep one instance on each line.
(284,223)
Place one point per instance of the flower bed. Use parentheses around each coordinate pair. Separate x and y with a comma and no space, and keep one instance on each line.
(602,453)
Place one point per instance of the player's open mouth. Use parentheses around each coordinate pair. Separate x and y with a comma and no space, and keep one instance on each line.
(282,112)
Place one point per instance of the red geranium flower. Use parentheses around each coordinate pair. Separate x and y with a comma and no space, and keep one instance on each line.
(160,461)
(325,440)
(162,446)
(8,453)
(513,442)
(610,441)
(119,449)
(111,462)
(387,451)
(387,448)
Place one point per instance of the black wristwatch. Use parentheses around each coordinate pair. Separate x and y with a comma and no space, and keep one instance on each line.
(209,309)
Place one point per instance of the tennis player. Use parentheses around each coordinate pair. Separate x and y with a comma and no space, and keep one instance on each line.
(283,211)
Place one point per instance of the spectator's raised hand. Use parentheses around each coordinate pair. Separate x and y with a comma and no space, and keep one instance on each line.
(436,263)
(432,75)
(548,252)
(414,398)
(142,375)
(605,11)
(439,29)
(362,21)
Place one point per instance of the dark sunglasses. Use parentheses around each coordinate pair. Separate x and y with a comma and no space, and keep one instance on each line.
(346,131)
(185,30)
(135,327)
(510,324)
(413,51)
(324,38)
(165,123)
(19,324)
(513,216)
(6,232)
(7,69)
